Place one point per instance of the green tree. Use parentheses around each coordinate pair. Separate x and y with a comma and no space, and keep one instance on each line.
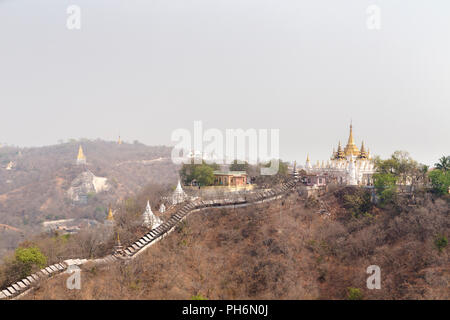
(191,171)
(443,164)
(28,259)
(282,167)
(235,166)
(440,181)
(204,175)
(385,186)
(401,165)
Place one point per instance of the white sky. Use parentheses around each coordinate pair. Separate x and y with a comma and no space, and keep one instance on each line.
(145,68)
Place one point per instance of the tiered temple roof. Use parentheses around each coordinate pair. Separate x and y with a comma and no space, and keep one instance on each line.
(350,150)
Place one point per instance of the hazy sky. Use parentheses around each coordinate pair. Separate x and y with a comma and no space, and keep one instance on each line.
(145,68)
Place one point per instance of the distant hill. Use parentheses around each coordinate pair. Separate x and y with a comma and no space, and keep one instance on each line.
(36,188)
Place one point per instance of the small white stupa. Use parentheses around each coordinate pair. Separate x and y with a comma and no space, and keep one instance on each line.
(179,195)
(150,220)
(162,208)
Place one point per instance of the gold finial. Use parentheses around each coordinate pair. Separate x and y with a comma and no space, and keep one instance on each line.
(350,137)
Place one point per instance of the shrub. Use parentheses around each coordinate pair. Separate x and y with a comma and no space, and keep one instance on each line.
(354,294)
(441,242)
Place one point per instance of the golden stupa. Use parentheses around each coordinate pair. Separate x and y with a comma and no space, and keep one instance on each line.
(81,155)
(81,158)
(351,149)
(110,215)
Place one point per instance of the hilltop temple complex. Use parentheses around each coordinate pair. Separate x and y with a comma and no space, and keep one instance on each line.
(348,165)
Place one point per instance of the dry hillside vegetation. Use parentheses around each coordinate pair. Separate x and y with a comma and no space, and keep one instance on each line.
(283,250)
(36,189)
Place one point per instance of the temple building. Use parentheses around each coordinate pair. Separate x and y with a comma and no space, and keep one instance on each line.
(150,220)
(349,165)
(81,158)
(178,195)
(230,178)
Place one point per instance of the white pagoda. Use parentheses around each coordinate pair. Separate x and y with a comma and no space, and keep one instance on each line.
(162,208)
(179,195)
(150,220)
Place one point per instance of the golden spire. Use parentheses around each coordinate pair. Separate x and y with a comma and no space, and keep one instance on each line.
(363,154)
(81,155)
(110,215)
(120,141)
(350,137)
(307,158)
(351,149)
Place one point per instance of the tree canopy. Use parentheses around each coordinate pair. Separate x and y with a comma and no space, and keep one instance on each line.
(443,164)
(29,258)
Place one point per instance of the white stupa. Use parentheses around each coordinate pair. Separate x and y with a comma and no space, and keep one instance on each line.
(162,208)
(179,195)
(150,220)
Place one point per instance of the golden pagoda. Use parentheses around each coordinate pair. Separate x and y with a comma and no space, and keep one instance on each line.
(120,141)
(81,158)
(351,149)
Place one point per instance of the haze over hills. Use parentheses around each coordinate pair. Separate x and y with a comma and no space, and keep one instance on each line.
(35,189)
